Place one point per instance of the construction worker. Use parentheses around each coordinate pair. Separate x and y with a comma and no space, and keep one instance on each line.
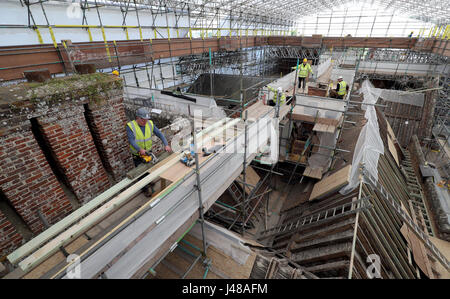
(115,72)
(177,91)
(139,134)
(278,94)
(341,88)
(303,73)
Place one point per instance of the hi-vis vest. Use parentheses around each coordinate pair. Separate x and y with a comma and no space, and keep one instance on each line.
(275,98)
(144,141)
(303,70)
(342,88)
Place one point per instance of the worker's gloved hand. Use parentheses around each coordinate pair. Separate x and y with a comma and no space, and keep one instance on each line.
(167,148)
(142,152)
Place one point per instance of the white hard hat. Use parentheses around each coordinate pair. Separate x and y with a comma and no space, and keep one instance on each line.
(279,89)
(340,78)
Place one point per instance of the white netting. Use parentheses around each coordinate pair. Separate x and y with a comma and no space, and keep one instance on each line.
(369,146)
(323,67)
(403,97)
(322,158)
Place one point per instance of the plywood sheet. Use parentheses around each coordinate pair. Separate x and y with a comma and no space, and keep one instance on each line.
(331,183)
(418,250)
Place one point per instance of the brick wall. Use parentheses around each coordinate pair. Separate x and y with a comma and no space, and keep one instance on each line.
(314,91)
(55,111)
(67,134)
(10,239)
(28,181)
(108,129)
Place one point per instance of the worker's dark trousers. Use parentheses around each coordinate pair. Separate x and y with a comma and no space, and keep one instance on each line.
(300,80)
(137,161)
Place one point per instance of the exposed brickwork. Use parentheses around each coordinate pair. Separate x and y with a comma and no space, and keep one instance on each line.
(67,134)
(10,239)
(26,178)
(108,123)
(314,91)
(28,182)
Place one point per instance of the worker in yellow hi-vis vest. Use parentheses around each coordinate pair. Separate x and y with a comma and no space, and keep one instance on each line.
(278,94)
(303,73)
(140,132)
(341,89)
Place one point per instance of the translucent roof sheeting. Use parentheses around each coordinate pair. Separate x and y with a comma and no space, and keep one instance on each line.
(435,11)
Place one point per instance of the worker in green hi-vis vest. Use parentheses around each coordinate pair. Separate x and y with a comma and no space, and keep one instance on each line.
(303,73)
(140,132)
(341,89)
(278,94)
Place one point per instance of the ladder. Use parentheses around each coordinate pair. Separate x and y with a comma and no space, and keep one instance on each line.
(235,192)
(415,191)
(329,214)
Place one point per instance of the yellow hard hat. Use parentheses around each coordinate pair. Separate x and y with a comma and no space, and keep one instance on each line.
(305,60)
(115,72)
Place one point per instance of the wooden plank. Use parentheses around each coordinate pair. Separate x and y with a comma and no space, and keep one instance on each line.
(393,150)
(295,158)
(315,173)
(390,131)
(58,227)
(96,216)
(331,183)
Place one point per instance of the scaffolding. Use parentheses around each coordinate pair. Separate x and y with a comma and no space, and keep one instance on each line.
(232,22)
